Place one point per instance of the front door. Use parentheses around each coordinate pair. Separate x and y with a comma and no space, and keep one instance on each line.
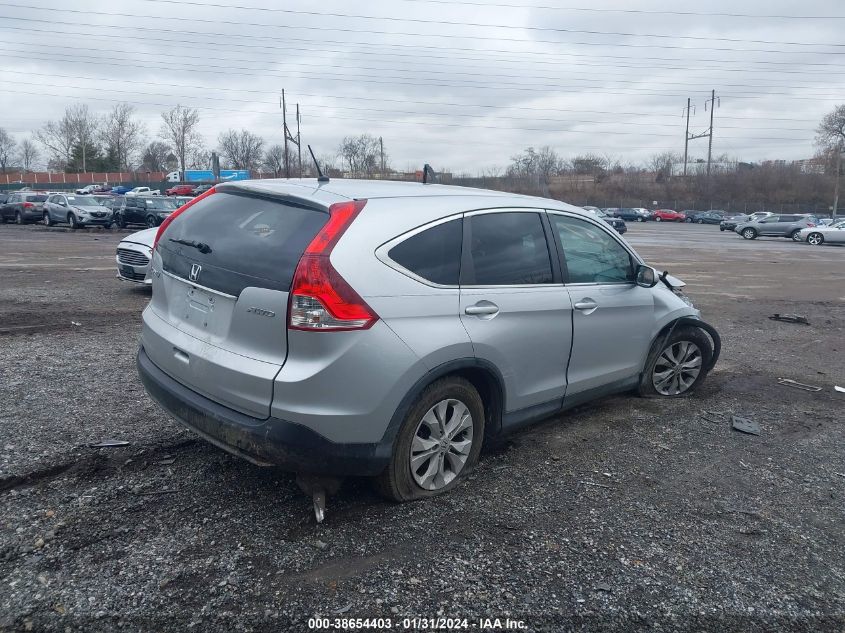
(613,318)
(514,307)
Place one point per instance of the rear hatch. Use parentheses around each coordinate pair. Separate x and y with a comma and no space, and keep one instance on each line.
(35,201)
(227,264)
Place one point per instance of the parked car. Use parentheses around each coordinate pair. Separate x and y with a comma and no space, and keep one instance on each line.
(180,200)
(704,217)
(818,235)
(92,189)
(668,215)
(133,256)
(143,191)
(633,214)
(120,190)
(200,189)
(180,190)
(102,198)
(78,211)
(544,309)
(616,223)
(23,207)
(785,225)
(147,210)
(731,222)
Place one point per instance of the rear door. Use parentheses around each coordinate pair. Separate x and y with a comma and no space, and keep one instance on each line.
(772,225)
(514,306)
(613,318)
(220,292)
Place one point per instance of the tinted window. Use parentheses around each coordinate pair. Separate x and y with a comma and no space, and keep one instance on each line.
(591,254)
(433,254)
(253,241)
(789,218)
(508,249)
(32,198)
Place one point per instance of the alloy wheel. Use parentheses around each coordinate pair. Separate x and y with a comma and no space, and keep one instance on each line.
(441,444)
(816,239)
(677,368)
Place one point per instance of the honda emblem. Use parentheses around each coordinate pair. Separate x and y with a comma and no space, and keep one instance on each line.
(196,269)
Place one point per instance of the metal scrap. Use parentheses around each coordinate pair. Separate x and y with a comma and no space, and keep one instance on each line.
(745,425)
(790,318)
(787,382)
(109,444)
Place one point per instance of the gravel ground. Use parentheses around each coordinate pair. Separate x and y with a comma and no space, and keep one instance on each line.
(624,514)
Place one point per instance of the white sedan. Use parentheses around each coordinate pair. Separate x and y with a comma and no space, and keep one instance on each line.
(818,235)
(134,253)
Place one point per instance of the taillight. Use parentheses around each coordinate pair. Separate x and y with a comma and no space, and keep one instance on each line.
(28,205)
(320,299)
(810,225)
(163,226)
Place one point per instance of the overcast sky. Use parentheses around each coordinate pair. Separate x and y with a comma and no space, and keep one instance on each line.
(460,85)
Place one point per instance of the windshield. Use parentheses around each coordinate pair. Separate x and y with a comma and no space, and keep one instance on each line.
(160,203)
(839,225)
(82,201)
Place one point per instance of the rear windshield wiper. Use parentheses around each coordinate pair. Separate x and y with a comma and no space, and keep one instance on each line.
(201,247)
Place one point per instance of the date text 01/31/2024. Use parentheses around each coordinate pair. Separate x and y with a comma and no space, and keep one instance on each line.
(417,624)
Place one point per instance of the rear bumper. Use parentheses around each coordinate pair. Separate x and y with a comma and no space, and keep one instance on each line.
(270,442)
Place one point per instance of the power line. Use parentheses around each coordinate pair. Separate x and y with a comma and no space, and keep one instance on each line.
(426,35)
(547,29)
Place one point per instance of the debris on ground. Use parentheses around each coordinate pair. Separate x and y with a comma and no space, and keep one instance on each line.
(76,323)
(787,382)
(790,318)
(109,444)
(839,389)
(745,425)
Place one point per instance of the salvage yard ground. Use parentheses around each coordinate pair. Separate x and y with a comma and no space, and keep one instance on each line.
(627,513)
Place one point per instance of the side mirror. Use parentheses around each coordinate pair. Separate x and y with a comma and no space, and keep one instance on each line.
(646,277)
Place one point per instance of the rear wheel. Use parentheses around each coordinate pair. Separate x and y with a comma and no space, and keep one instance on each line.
(18,217)
(640,220)
(658,219)
(699,221)
(749,233)
(438,443)
(151,222)
(47,221)
(815,239)
(120,221)
(796,235)
(688,220)
(676,366)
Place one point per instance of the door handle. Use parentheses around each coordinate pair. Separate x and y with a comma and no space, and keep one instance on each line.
(586,304)
(482,308)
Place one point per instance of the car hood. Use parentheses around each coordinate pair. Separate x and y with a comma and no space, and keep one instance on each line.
(144,238)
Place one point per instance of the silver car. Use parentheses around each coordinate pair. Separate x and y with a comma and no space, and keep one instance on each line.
(818,235)
(133,256)
(78,211)
(783,225)
(386,329)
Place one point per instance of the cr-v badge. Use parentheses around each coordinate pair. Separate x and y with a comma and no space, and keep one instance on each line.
(196,269)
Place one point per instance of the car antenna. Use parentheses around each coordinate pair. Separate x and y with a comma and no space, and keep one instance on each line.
(426,171)
(320,176)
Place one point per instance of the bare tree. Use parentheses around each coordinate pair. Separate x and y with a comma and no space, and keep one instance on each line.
(542,163)
(179,128)
(58,138)
(361,154)
(274,159)
(199,157)
(831,131)
(242,149)
(7,149)
(84,126)
(121,134)
(154,156)
(28,154)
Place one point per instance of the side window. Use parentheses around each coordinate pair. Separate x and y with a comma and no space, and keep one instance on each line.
(507,249)
(591,254)
(433,254)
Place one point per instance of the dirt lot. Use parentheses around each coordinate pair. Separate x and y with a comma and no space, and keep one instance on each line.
(628,513)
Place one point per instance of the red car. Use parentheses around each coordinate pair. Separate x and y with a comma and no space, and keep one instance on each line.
(668,215)
(179,190)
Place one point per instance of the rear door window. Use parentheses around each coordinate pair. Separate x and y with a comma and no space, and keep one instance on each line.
(506,249)
(250,241)
(433,254)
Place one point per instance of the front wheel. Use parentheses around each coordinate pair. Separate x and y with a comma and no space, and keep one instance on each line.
(640,219)
(71,219)
(749,234)
(688,220)
(815,239)
(151,222)
(438,443)
(677,365)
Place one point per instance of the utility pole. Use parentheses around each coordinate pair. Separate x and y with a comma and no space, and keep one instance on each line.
(381,151)
(710,132)
(296,140)
(285,133)
(839,151)
(686,139)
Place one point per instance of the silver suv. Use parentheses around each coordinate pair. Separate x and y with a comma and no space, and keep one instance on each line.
(386,329)
(777,226)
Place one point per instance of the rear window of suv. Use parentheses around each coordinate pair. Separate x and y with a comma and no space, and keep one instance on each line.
(36,198)
(253,241)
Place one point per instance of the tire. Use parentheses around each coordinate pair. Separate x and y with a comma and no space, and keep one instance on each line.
(71,219)
(815,239)
(689,220)
(399,482)
(722,228)
(121,223)
(749,233)
(18,217)
(699,221)
(795,235)
(658,219)
(694,349)
(151,222)
(640,219)
(47,220)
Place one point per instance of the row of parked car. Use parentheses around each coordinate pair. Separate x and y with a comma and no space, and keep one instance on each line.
(120,190)
(799,227)
(640,214)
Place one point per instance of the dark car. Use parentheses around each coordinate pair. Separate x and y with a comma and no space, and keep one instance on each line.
(704,217)
(23,207)
(200,189)
(633,214)
(147,210)
(120,190)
